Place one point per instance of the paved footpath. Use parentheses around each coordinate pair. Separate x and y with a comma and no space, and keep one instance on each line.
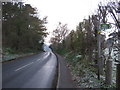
(65,78)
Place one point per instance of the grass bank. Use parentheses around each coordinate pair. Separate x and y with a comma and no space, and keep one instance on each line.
(9,54)
(82,70)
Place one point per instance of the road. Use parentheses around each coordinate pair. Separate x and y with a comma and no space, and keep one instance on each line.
(37,71)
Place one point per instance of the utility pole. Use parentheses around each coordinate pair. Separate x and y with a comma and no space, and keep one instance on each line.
(0,45)
(0,29)
(99,53)
(103,13)
(100,60)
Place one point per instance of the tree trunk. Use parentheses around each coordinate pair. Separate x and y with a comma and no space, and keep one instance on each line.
(109,72)
(118,76)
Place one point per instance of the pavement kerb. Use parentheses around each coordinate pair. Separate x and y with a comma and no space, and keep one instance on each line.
(58,77)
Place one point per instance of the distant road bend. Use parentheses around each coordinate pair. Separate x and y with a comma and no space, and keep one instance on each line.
(37,71)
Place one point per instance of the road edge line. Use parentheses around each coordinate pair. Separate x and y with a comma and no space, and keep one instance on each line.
(58,81)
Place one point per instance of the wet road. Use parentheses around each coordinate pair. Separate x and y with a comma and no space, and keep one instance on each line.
(37,71)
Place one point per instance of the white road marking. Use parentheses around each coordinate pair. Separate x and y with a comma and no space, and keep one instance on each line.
(24,66)
(44,57)
(32,62)
(38,59)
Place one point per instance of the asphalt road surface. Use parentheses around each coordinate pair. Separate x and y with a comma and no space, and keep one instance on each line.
(37,71)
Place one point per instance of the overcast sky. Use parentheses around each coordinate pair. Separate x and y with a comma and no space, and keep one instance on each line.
(69,12)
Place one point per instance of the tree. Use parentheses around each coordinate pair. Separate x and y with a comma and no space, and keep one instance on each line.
(59,34)
(24,29)
(114,9)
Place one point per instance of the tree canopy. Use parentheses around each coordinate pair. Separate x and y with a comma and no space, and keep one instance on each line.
(22,29)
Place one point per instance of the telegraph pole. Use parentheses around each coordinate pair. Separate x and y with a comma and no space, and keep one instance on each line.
(0,45)
(99,60)
(99,53)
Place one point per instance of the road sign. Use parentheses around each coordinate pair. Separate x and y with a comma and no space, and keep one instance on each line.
(105,26)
